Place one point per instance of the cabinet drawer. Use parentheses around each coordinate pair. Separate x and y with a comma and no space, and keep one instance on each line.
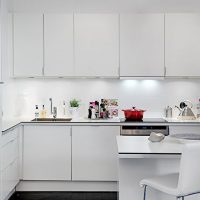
(184,129)
(9,136)
(9,178)
(9,153)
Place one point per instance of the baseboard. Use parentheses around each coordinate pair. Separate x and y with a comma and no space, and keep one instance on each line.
(67,186)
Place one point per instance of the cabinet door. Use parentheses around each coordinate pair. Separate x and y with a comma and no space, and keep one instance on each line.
(28,45)
(9,178)
(187,129)
(47,153)
(10,161)
(182,44)
(5,183)
(94,153)
(58,45)
(96,45)
(10,147)
(142,45)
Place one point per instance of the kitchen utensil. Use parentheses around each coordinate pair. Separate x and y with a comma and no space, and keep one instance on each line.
(134,114)
(168,112)
(186,111)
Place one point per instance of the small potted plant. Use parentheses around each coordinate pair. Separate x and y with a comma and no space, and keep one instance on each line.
(74,105)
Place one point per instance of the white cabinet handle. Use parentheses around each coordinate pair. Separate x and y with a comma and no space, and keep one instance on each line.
(11,141)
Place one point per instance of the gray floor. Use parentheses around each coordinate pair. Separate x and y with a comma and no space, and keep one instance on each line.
(64,196)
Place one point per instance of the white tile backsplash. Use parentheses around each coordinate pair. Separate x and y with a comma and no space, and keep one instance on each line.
(21,95)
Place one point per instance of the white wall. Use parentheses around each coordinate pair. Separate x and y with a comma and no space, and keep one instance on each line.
(20,96)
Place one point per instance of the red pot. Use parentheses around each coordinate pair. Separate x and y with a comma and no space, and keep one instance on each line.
(133,114)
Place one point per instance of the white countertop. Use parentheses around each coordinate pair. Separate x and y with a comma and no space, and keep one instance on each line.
(141,145)
(9,123)
(174,120)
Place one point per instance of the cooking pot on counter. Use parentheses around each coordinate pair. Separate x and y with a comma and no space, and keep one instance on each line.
(134,114)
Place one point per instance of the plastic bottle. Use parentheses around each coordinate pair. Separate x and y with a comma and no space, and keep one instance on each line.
(43,112)
(36,112)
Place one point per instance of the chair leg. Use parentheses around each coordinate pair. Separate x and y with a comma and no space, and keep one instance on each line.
(145,189)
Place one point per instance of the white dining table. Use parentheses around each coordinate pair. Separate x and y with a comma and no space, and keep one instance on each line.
(139,158)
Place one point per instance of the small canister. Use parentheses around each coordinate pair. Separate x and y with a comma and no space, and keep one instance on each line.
(168,112)
(93,113)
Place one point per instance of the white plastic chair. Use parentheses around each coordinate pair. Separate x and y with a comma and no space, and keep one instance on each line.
(184,183)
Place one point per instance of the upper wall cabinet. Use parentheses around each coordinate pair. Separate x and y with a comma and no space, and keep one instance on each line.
(96,45)
(58,45)
(182,44)
(141,45)
(28,45)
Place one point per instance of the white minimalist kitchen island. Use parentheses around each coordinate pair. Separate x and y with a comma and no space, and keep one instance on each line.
(140,158)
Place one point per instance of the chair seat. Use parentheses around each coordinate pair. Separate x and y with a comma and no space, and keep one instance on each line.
(165,183)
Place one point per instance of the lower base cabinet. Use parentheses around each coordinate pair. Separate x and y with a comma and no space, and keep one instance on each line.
(77,153)
(10,170)
(10,178)
(47,152)
(184,129)
(94,153)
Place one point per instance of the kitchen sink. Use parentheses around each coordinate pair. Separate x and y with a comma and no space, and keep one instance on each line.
(52,120)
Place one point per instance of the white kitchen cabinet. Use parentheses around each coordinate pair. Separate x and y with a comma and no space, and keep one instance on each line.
(182,43)
(10,178)
(47,153)
(94,153)
(141,45)
(184,129)
(28,45)
(58,45)
(96,38)
(10,161)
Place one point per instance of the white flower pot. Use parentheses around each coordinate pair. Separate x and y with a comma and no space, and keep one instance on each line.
(74,111)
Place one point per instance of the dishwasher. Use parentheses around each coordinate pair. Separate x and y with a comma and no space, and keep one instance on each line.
(143,130)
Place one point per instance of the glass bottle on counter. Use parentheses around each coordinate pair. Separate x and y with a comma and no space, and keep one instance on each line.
(43,112)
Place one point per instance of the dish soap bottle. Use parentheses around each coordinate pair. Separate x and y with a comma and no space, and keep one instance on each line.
(64,108)
(36,112)
(43,112)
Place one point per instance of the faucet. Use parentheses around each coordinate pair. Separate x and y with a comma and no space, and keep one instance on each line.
(50,99)
(53,109)
(54,112)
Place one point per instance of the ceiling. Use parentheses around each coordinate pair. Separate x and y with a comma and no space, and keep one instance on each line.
(105,5)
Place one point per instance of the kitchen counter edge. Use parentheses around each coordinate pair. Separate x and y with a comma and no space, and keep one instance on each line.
(7,125)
